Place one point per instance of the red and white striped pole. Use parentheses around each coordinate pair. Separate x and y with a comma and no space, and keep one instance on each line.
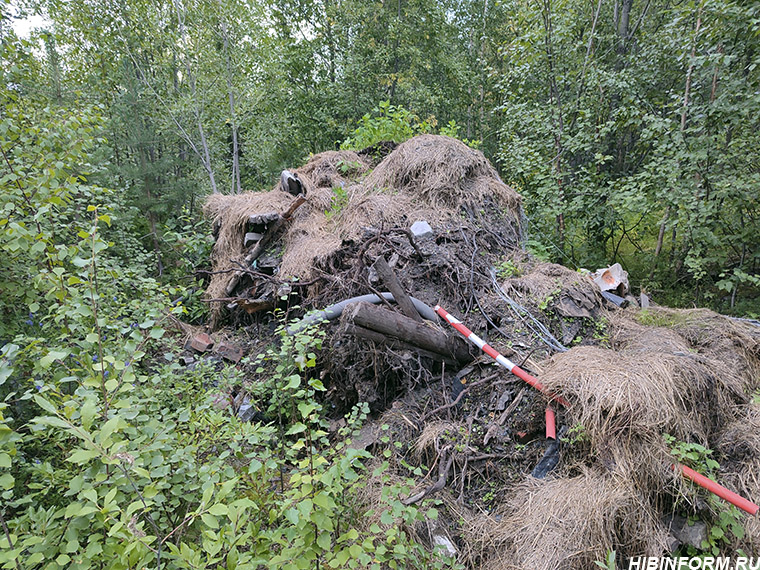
(499,358)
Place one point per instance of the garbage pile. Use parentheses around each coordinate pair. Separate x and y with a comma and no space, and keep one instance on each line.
(373,244)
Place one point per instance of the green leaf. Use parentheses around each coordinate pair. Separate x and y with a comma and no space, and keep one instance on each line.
(209,520)
(6,481)
(219,509)
(83,455)
(108,428)
(88,411)
(296,428)
(45,404)
(157,333)
(324,541)
(52,356)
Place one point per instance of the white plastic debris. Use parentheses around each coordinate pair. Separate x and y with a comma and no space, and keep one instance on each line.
(421,229)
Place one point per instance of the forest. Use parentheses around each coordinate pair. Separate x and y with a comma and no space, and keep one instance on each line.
(629,128)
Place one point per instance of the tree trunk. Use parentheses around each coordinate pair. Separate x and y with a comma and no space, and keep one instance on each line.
(236,186)
(398,326)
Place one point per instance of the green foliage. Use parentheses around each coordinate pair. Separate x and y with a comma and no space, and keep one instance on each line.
(654,318)
(507,269)
(728,520)
(338,201)
(577,434)
(609,562)
(391,123)
(616,137)
(693,454)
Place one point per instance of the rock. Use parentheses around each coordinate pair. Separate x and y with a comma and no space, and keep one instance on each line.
(644,301)
(246,411)
(186,360)
(263,219)
(448,546)
(284,290)
(421,229)
(569,331)
(612,278)
(692,534)
(368,436)
(202,342)
(632,301)
(251,238)
(507,396)
(230,352)
(573,307)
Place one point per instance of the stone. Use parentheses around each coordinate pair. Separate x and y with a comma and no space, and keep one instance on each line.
(445,543)
(202,342)
(421,229)
(186,360)
(573,307)
(368,436)
(230,352)
(252,238)
(247,411)
(692,534)
(644,301)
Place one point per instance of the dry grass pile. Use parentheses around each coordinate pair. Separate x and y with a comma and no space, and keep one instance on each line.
(429,177)
(232,214)
(332,168)
(617,394)
(614,482)
(570,523)
(552,284)
(739,446)
(442,172)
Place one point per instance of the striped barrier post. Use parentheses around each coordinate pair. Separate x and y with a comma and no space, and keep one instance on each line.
(499,358)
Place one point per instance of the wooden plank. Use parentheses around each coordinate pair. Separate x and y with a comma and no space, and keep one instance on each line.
(394,286)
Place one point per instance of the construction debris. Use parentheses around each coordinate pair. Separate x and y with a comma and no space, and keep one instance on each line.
(364,245)
(202,342)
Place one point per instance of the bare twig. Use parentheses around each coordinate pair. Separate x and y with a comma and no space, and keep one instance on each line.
(460,396)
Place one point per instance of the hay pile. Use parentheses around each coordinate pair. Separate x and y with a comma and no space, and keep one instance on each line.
(430,177)
(687,373)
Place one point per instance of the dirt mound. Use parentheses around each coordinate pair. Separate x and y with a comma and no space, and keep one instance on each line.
(431,178)
(645,388)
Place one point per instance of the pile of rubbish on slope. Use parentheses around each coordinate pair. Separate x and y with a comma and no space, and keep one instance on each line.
(537,479)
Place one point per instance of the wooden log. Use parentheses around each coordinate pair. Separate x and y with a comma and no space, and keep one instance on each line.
(399,326)
(394,286)
(262,244)
(380,338)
